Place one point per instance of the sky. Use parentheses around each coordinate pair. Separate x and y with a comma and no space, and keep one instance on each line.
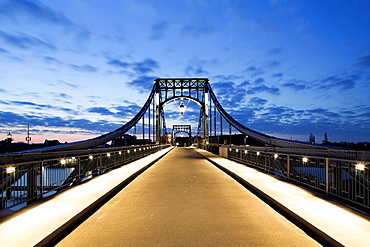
(74,70)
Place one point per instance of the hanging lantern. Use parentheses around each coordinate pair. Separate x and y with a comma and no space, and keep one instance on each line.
(182,107)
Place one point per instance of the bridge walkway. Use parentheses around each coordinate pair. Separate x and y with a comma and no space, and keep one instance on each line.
(184,200)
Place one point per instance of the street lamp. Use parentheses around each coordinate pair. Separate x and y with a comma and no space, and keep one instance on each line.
(182,107)
(9,139)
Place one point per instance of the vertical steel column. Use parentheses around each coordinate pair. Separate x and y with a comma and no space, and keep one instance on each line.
(157,115)
(210,117)
(143,126)
(149,123)
(215,120)
(205,113)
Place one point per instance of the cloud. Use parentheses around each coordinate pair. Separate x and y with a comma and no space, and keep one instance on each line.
(338,82)
(230,94)
(364,61)
(271,64)
(158,30)
(143,83)
(227,77)
(36,11)
(25,41)
(257,101)
(259,80)
(83,68)
(101,110)
(296,85)
(254,71)
(279,75)
(144,67)
(263,88)
(3,50)
(195,70)
(196,31)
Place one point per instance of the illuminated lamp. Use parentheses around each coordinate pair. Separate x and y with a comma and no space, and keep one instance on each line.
(10,169)
(182,107)
(360,167)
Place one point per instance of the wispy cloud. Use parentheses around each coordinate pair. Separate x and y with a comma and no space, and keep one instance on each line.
(263,88)
(254,71)
(84,68)
(296,85)
(142,84)
(36,11)
(364,61)
(25,41)
(141,68)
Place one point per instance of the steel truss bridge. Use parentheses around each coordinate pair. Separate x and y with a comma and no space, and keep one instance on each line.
(31,175)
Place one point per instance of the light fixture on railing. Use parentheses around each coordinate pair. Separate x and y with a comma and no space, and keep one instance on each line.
(91,157)
(63,161)
(360,167)
(182,107)
(305,159)
(276,156)
(258,153)
(108,154)
(10,169)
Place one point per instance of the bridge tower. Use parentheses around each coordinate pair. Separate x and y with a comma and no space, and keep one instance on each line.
(168,90)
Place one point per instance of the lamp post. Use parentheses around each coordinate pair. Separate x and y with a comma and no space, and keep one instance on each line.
(9,139)
(182,108)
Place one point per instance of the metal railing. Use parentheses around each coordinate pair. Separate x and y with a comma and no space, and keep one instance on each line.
(341,178)
(24,183)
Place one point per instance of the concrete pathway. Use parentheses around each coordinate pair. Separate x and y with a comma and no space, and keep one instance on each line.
(47,220)
(339,225)
(184,200)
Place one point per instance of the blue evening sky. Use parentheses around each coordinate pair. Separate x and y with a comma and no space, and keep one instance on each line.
(77,69)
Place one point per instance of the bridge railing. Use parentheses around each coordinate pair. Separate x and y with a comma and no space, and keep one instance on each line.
(344,179)
(24,183)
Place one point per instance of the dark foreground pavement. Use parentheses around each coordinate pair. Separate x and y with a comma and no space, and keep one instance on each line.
(183,200)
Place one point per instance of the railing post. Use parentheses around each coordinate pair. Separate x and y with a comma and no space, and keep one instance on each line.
(79,169)
(41,179)
(288,166)
(31,184)
(327,176)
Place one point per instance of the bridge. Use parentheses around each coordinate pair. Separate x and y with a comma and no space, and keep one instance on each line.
(218,189)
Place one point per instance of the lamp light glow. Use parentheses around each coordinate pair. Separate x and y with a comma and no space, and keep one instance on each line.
(10,169)
(360,167)
(182,107)
(305,159)
(63,161)
(276,156)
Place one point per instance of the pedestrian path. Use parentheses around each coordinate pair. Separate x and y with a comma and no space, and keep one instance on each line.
(336,222)
(47,220)
(184,200)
